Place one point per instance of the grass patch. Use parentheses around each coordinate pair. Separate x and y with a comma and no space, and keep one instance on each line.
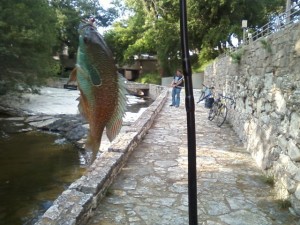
(149,78)
(197,68)
(268,180)
(266,45)
(237,56)
(284,203)
(109,192)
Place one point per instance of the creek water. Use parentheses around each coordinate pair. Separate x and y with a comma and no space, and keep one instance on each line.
(36,167)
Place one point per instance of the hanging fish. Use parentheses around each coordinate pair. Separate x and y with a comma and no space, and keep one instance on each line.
(102,98)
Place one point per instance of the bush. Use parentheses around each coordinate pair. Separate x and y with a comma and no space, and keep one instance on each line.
(149,78)
(237,56)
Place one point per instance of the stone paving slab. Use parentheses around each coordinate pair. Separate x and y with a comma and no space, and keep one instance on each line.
(152,187)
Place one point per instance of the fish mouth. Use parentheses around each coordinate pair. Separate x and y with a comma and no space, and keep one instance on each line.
(89,34)
(83,25)
(91,37)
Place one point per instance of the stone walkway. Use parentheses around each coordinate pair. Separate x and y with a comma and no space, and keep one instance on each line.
(152,187)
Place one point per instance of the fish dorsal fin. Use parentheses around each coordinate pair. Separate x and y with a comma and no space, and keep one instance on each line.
(113,127)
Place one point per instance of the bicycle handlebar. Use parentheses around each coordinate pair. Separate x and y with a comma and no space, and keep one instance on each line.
(207,86)
(225,97)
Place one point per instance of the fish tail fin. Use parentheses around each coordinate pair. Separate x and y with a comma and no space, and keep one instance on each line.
(113,127)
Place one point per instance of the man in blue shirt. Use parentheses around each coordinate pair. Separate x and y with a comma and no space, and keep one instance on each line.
(177,84)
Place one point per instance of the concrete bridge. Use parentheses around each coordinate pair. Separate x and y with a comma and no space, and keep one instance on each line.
(137,88)
(132,87)
(142,177)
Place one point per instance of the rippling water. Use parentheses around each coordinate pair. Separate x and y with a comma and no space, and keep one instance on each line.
(36,167)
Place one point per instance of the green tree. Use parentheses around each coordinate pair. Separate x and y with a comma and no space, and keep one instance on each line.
(27,36)
(124,38)
(211,25)
(71,12)
(153,28)
(32,31)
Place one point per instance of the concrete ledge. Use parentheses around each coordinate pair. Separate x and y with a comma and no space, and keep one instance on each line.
(70,208)
(75,206)
(142,125)
(123,142)
(98,174)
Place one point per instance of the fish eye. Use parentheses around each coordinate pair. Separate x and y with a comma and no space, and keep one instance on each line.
(92,28)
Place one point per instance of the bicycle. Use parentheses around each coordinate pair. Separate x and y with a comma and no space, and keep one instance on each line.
(205,93)
(219,109)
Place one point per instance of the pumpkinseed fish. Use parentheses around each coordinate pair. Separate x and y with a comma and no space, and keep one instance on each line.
(102,98)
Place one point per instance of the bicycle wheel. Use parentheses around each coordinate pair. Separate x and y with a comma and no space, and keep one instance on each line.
(221,115)
(213,111)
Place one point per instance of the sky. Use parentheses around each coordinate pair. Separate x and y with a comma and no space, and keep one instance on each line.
(105,3)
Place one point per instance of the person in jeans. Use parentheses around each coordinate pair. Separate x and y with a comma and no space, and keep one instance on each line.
(177,84)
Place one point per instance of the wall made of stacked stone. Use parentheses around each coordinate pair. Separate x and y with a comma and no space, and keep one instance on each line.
(264,79)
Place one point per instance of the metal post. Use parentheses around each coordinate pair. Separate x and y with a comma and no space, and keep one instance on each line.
(190,110)
(244,26)
(288,11)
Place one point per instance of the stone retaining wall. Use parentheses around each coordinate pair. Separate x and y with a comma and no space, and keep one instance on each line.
(264,79)
(76,204)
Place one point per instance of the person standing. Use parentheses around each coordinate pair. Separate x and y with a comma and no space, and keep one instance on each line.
(177,85)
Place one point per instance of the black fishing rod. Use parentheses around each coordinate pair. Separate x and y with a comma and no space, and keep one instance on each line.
(190,110)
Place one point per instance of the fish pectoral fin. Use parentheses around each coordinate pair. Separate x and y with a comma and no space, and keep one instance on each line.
(81,109)
(91,74)
(95,76)
(73,76)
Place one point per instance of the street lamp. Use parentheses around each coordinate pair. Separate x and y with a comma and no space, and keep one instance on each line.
(190,111)
(244,26)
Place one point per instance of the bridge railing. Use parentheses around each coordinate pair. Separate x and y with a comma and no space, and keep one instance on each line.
(277,23)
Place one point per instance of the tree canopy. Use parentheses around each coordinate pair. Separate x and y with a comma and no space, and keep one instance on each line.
(27,36)
(33,31)
(69,13)
(154,27)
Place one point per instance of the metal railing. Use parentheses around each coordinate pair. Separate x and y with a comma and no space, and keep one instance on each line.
(277,23)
